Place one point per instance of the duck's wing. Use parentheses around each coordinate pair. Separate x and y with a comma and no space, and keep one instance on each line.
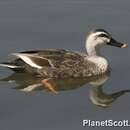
(49,58)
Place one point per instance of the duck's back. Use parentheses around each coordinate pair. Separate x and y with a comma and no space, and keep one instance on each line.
(53,63)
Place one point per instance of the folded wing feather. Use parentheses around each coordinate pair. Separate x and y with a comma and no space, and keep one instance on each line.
(34,61)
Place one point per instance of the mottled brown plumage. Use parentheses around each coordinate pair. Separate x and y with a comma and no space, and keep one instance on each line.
(56,63)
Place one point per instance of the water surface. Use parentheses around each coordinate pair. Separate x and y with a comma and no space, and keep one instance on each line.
(30,24)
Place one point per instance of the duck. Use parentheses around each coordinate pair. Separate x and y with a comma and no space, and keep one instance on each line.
(61,63)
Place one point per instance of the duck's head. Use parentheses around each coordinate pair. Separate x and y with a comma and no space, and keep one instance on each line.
(100,37)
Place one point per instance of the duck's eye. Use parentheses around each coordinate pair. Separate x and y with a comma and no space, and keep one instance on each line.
(103,35)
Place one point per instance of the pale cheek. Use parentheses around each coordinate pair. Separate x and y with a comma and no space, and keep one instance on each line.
(100,41)
(106,40)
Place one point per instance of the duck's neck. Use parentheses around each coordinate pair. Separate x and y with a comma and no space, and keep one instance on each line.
(93,50)
(96,58)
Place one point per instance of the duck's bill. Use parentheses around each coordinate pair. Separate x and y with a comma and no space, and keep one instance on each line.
(115,43)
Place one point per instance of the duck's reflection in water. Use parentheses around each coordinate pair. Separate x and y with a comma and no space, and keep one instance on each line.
(28,83)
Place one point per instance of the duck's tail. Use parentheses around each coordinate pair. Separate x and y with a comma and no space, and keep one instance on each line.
(11,66)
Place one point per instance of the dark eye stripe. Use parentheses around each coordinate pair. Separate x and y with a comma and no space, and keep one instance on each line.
(103,35)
